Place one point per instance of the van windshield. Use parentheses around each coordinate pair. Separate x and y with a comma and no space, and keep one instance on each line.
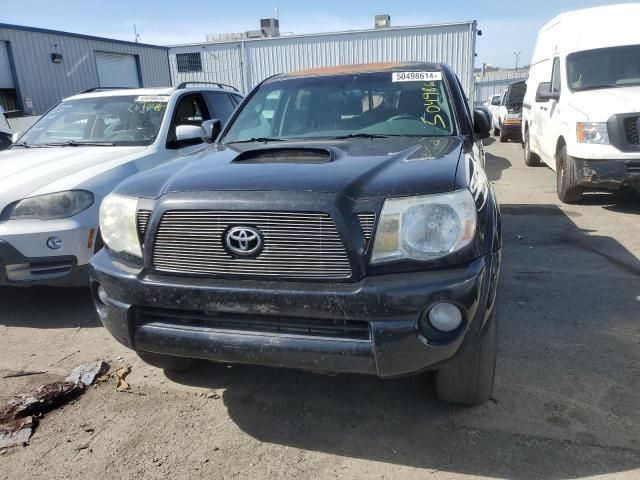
(345,105)
(604,68)
(109,120)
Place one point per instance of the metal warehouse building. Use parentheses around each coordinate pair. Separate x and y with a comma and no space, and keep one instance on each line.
(39,67)
(244,63)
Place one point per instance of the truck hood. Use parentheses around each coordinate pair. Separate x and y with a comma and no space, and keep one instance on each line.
(599,105)
(37,171)
(357,168)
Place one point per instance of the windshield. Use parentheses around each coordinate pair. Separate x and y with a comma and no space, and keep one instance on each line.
(113,120)
(604,68)
(374,104)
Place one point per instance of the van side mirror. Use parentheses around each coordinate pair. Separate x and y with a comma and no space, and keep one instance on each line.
(544,93)
(481,124)
(210,130)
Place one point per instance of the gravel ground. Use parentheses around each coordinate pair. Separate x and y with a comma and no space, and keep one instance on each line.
(565,403)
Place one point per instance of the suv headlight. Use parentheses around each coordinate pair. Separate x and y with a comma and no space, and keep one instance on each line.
(118,224)
(50,206)
(592,132)
(425,227)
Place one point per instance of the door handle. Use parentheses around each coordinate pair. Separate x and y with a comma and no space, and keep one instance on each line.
(543,108)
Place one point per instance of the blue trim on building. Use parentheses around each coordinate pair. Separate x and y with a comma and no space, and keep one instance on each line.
(77,35)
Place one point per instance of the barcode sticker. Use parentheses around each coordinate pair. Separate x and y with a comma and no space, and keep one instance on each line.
(153,98)
(415,76)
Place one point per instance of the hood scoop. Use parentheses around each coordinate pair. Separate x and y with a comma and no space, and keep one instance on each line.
(286,155)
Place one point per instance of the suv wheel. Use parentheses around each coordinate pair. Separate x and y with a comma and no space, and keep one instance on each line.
(567,186)
(503,136)
(468,378)
(496,131)
(530,158)
(166,362)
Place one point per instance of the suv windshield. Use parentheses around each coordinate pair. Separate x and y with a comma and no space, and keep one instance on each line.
(370,104)
(604,68)
(111,120)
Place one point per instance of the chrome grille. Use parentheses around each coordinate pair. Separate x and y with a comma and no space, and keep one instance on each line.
(366,223)
(296,245)
(143,220)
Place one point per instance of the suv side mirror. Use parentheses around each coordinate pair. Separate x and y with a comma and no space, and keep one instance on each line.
(210,130)
(481,123)
(544,93)
(185,133)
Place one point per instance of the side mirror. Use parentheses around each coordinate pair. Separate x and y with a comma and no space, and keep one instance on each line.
(16,136)
(481,123)
(210,130)
(544,93)
(187,132)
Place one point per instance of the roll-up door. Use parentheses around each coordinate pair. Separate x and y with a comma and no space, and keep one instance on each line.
(117,70)
(6,77)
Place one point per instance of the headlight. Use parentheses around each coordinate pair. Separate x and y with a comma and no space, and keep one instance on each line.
(592,132)
(50,206)
(424,228)
(118,224)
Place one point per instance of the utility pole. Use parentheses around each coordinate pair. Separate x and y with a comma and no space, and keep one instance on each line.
(517,55)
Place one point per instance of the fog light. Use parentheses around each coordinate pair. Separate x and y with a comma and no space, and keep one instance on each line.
(102,295)
(445,317)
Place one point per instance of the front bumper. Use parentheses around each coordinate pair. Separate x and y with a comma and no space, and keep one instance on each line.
(389,305)
(26,260)
(608,174)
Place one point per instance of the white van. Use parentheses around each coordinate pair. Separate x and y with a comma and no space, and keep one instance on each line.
(581,111)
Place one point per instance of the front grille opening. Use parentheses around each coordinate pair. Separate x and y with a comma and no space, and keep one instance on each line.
(285,155)
(631,130)
(328,328)
(143,221)
(366,220)
(304,245)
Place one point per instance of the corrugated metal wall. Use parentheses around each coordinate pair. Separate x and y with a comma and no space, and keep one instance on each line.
(45,83)
(496,84)
(243,64)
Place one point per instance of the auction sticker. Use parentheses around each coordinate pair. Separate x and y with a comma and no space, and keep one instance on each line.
(415,76)
(153,98)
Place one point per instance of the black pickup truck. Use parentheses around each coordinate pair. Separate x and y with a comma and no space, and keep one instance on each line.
(342,221)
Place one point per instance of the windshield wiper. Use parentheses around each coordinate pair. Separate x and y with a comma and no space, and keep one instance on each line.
(361,135)
(27,145)
(596,87)
(258,139)
(74,143)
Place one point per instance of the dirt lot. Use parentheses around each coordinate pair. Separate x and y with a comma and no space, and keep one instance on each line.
(565,404)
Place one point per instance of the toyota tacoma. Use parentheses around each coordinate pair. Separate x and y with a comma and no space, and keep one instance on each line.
(342,221)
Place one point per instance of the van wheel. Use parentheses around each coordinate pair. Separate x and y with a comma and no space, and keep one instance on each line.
(468,378)
(530,158)
(567,185)
(166,362)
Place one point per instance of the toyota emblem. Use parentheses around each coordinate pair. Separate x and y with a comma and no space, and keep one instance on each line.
(243,241)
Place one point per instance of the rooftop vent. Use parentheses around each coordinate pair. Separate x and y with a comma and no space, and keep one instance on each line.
(382,21)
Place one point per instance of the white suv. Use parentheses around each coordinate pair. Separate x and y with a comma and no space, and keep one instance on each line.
(55,177)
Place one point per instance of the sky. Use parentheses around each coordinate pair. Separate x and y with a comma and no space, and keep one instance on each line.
(507,26)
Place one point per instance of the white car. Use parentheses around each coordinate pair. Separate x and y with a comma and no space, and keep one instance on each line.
(55,177)
(507,116)
(581,113)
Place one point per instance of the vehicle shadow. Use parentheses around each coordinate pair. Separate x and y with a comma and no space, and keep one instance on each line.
(494,166)
(43,307)
(565,402)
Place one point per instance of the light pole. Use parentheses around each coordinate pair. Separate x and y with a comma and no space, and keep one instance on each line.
(517,55)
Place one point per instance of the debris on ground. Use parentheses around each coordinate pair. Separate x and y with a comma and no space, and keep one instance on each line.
(121,373)
(24,374)
(19,416)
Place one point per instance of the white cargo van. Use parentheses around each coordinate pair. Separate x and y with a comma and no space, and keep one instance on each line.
(581,111)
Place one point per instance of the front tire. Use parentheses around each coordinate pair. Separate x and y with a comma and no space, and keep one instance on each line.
(567,186)
(530,158)
(468,379)
(503,135)
(496,131)
(166,362)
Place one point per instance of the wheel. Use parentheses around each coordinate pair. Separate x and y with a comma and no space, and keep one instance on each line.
(166,362)
(496,131)
(567,186)
(468,378)
(530,158)
(503,135)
